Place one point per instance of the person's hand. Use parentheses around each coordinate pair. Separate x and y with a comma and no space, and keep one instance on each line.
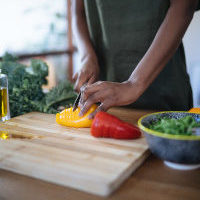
(108,94)
(89,73)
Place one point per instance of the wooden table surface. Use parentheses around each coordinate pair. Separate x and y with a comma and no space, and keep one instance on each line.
(152,181)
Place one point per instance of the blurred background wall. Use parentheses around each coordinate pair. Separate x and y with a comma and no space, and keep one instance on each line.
(42,29)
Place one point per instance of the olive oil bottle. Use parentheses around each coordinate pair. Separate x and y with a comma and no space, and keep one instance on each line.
(4,100)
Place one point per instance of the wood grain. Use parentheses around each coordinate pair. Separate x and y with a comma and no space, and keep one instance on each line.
(69,156)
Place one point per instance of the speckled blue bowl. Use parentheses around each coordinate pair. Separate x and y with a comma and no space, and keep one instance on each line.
(178,149)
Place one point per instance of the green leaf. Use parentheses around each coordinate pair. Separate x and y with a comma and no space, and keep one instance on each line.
(25,87)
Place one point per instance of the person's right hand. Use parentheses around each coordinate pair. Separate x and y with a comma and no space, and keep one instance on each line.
(89,73)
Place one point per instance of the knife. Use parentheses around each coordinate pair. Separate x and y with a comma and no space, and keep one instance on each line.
(76,102)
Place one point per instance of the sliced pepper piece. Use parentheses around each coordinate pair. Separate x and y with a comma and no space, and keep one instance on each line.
(69,118)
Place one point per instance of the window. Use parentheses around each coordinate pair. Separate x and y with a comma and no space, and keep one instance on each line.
(33,26)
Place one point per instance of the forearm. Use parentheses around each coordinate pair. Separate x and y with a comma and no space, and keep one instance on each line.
(80,28)
(165,43)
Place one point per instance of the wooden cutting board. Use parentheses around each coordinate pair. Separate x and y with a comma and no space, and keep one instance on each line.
(71,157)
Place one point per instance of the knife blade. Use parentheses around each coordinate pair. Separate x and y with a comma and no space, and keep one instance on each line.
(76,102)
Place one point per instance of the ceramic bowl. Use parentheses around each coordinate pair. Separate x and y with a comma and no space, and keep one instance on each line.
(178,151)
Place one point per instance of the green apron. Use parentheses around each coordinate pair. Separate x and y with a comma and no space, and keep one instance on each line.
(121,32)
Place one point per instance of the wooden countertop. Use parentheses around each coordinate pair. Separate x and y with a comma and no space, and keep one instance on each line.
(153,180)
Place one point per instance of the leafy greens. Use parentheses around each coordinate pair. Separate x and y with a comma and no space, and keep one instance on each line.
(25,87)
(182,126)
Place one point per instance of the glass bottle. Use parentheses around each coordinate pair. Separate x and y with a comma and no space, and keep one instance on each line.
(4,99)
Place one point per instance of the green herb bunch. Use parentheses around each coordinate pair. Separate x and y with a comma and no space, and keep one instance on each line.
(25,87)
(182,126)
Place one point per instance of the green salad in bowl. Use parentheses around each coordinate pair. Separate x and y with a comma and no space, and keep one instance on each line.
(181,126)
(174,137)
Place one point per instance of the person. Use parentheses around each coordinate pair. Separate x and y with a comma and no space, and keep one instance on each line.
(132,53)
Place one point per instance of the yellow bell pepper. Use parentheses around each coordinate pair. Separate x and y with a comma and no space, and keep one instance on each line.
(69,118)
(195,110)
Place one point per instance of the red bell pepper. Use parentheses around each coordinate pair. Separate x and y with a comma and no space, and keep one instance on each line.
(109,126)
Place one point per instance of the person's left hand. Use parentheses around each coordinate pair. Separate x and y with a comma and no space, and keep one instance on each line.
(108,94)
